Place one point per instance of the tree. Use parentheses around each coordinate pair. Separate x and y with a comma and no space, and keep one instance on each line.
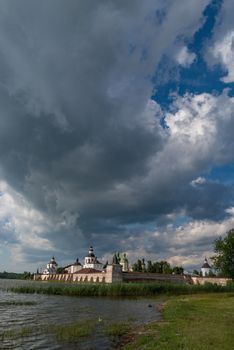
(196,272)
(166,267)
(149,266)
(137,266)
(60,270)
(224,258)
(27,275)
(178,270)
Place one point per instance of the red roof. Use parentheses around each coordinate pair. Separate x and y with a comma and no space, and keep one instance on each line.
(88,270)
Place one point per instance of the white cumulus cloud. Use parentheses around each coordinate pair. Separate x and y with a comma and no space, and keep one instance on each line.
(184,57)
(223,51)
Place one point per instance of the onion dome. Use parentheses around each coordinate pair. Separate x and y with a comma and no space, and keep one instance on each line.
(206,265)
(52,261)
(77,263)
(91,253)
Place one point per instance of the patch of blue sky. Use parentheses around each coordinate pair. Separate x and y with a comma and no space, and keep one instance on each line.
(176,219)
(181,220)
(198,77)
(139,227)
(224,174)
(206,30)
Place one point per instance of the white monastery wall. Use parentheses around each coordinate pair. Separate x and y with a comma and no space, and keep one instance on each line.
(213,280)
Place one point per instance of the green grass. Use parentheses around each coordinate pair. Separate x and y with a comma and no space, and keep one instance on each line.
(122,289)
(74,331)
(66,332)
(118,329)
(198,322)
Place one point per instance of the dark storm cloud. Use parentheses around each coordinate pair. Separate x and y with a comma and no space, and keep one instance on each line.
(6,235)
(79,137)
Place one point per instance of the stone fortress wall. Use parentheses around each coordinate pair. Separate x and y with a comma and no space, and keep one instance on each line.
(112,273)
(150,277)
(213,280)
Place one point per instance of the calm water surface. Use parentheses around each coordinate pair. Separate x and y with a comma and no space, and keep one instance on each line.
(49,310)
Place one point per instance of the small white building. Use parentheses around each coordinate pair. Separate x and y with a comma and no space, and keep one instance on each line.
(91,261)
(51,267)
(206,269)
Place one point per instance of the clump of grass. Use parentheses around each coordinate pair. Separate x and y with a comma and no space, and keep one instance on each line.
(117,329)
(65,332)
(16,333)
(74,331)
(17,303)
(122,289)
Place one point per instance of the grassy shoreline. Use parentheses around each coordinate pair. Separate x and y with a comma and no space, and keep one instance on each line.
(121,289)
(192,322)
(193,317)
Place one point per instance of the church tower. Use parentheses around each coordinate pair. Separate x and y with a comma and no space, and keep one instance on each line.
(91,261)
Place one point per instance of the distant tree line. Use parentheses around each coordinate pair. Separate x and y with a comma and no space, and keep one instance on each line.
(157,267)
(13,275)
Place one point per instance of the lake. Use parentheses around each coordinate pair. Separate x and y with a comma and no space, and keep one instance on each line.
(29,321)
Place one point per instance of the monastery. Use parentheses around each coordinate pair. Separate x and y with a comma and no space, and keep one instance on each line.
(94,271)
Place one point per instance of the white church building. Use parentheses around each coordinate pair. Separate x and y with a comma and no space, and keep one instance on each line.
(206,269)
(91,261)
(51,267)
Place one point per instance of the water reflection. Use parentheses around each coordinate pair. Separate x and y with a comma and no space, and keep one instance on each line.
(27,311)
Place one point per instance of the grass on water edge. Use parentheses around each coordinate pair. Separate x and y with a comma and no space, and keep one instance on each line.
(121,289)
(66,332)
(74,331)
(194,322)
(118,329)
(71,332)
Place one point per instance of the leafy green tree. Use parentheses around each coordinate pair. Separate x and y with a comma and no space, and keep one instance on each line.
(166,267)
(149,266)
(196,272)
(224,258)
(27,275)
(178,270)
(157,267)
(137,266)
(60,270)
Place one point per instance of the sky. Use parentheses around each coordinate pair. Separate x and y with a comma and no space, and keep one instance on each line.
(116,129)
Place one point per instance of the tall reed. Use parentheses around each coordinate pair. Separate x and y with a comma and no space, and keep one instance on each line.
(121,289)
